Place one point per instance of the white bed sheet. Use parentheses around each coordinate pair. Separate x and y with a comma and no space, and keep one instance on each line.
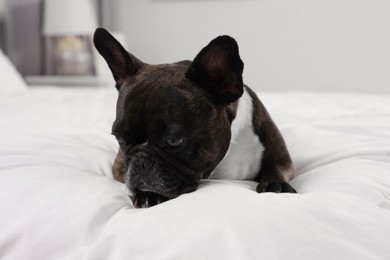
(59,201)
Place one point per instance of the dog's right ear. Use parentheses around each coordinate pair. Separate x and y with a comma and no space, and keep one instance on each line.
(122,64)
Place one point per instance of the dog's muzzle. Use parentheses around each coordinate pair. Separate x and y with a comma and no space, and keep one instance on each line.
(149,172)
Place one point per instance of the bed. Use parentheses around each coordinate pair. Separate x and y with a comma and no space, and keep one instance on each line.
(58,199)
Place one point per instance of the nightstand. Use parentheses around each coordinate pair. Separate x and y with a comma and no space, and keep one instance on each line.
(70,81)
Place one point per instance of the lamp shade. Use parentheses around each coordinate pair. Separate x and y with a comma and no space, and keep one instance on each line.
(68,17)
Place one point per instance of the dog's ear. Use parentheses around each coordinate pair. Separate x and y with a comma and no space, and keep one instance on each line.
(122,64)
(218,69)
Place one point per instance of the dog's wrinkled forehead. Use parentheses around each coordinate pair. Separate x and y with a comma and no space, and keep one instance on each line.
(163,85)
(163,75)
(158,89)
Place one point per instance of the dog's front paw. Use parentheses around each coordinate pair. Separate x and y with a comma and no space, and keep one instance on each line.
(147,199)
(277,187)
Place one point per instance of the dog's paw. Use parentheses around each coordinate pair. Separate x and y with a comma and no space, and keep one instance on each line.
(147,199)
(277,187)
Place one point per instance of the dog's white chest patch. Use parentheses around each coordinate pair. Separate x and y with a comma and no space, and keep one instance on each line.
(243,158)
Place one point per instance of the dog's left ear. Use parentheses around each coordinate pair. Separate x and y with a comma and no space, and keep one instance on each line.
(218,69)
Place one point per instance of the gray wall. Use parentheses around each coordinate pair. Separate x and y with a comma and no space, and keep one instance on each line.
(2,6)
(285,45)
(24,42)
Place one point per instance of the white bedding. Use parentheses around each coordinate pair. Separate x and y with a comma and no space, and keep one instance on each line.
(59,201)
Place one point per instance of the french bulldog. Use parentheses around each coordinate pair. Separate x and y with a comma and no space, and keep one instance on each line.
(182,122)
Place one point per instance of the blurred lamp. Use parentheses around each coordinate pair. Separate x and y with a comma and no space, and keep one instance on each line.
(67,28)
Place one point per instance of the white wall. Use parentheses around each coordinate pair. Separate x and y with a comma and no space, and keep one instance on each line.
(285,44)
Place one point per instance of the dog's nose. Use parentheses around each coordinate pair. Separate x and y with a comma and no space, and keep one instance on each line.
(142,162)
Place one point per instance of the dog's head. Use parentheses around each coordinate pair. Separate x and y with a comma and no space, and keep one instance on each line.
(173,120)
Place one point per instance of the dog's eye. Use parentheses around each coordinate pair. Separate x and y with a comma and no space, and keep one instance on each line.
(173,142)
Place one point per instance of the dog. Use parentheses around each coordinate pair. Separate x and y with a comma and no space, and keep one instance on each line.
(182,122)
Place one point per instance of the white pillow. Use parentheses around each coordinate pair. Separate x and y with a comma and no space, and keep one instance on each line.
(10,79)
